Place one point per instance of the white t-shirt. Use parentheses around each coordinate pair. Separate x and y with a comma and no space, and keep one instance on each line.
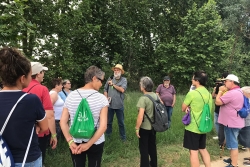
(96,102)
(58,106)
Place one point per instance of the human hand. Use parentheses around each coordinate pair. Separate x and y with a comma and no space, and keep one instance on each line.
(223,88)
(137,133)
(73,147)
(53,142)
(82,147)
(110,82)
(37,129)
(187,110)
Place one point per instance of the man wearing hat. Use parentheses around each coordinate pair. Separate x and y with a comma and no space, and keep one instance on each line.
(114,90)
(42,92)
(167,95)
(230,103)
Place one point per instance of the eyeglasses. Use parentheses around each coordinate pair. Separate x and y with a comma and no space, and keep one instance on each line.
(101,80)
(68,83)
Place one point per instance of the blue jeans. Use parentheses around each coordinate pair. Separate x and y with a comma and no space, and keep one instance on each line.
(120,118)
(36,163)
(169,111)
(216,124)
(231,135)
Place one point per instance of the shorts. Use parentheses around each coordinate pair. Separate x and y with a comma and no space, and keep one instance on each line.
(194,141)
(231,135)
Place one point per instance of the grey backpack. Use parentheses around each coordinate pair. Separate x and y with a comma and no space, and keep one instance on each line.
(160,116)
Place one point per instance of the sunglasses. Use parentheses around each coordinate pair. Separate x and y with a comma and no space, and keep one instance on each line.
(101,80)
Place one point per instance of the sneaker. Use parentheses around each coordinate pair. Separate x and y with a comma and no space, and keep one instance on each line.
(227,161)
(230,165)
(242,147)
(220,147)
(246,163)
(215,137)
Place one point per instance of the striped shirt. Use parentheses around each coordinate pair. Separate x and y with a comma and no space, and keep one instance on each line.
(96,102)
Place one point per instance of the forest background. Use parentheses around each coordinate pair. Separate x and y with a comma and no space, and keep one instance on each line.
(152,38)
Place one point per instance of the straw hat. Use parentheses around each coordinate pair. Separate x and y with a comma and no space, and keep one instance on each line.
(119,66)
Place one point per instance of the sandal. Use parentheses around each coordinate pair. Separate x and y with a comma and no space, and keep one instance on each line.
(247,158)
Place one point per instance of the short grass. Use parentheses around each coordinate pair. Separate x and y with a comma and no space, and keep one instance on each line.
(119,154)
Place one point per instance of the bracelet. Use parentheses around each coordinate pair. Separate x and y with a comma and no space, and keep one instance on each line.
(53,136)
(71,141)
(137,130)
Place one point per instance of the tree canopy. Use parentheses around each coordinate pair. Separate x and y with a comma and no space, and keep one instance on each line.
(149,38)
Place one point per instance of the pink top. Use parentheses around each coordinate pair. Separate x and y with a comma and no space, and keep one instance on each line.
(232,101)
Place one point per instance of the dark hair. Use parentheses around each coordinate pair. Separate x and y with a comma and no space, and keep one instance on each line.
(147,84)
(224,74)
(201,76)
(91,72)
(13,65)
(236,83)
(56,81)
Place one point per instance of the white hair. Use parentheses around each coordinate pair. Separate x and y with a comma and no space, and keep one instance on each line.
(246,89)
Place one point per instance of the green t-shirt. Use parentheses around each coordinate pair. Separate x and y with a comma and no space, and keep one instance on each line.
(194,100)
(147,104)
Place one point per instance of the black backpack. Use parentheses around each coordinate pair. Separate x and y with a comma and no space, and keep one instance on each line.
(160,116)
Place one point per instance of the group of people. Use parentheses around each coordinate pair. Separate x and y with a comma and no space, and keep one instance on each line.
(48,113)
(231,128)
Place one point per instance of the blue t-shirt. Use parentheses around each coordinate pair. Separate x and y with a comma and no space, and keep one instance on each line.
(19,127)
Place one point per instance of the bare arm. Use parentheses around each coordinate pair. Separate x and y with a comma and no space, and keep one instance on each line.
(174,99)
(119,88)
(139,121)
(218,101)
(184,107)
(43,125)
(64,124)
(213,93)
(159,97)
(54,97)
(52,127)
(65,129)
(106,94)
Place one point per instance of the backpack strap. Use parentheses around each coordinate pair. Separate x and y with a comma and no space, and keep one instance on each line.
(243,103)
(204,104)
(153,100)
(65,92)
(86,99)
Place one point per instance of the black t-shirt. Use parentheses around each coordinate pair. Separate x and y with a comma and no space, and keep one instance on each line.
(19,127)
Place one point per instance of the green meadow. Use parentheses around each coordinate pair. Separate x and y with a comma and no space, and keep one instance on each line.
(126,154)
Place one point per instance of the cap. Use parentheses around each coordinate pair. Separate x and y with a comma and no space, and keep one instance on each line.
(233,77)
(166,78)
(37,68)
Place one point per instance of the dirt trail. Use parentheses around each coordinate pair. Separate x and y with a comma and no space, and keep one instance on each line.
(219,163)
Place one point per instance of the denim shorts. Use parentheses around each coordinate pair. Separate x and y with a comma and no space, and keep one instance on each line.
(231,135)
(36,163)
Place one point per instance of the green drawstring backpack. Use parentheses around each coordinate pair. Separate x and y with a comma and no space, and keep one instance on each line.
(83,125)
(206,123)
